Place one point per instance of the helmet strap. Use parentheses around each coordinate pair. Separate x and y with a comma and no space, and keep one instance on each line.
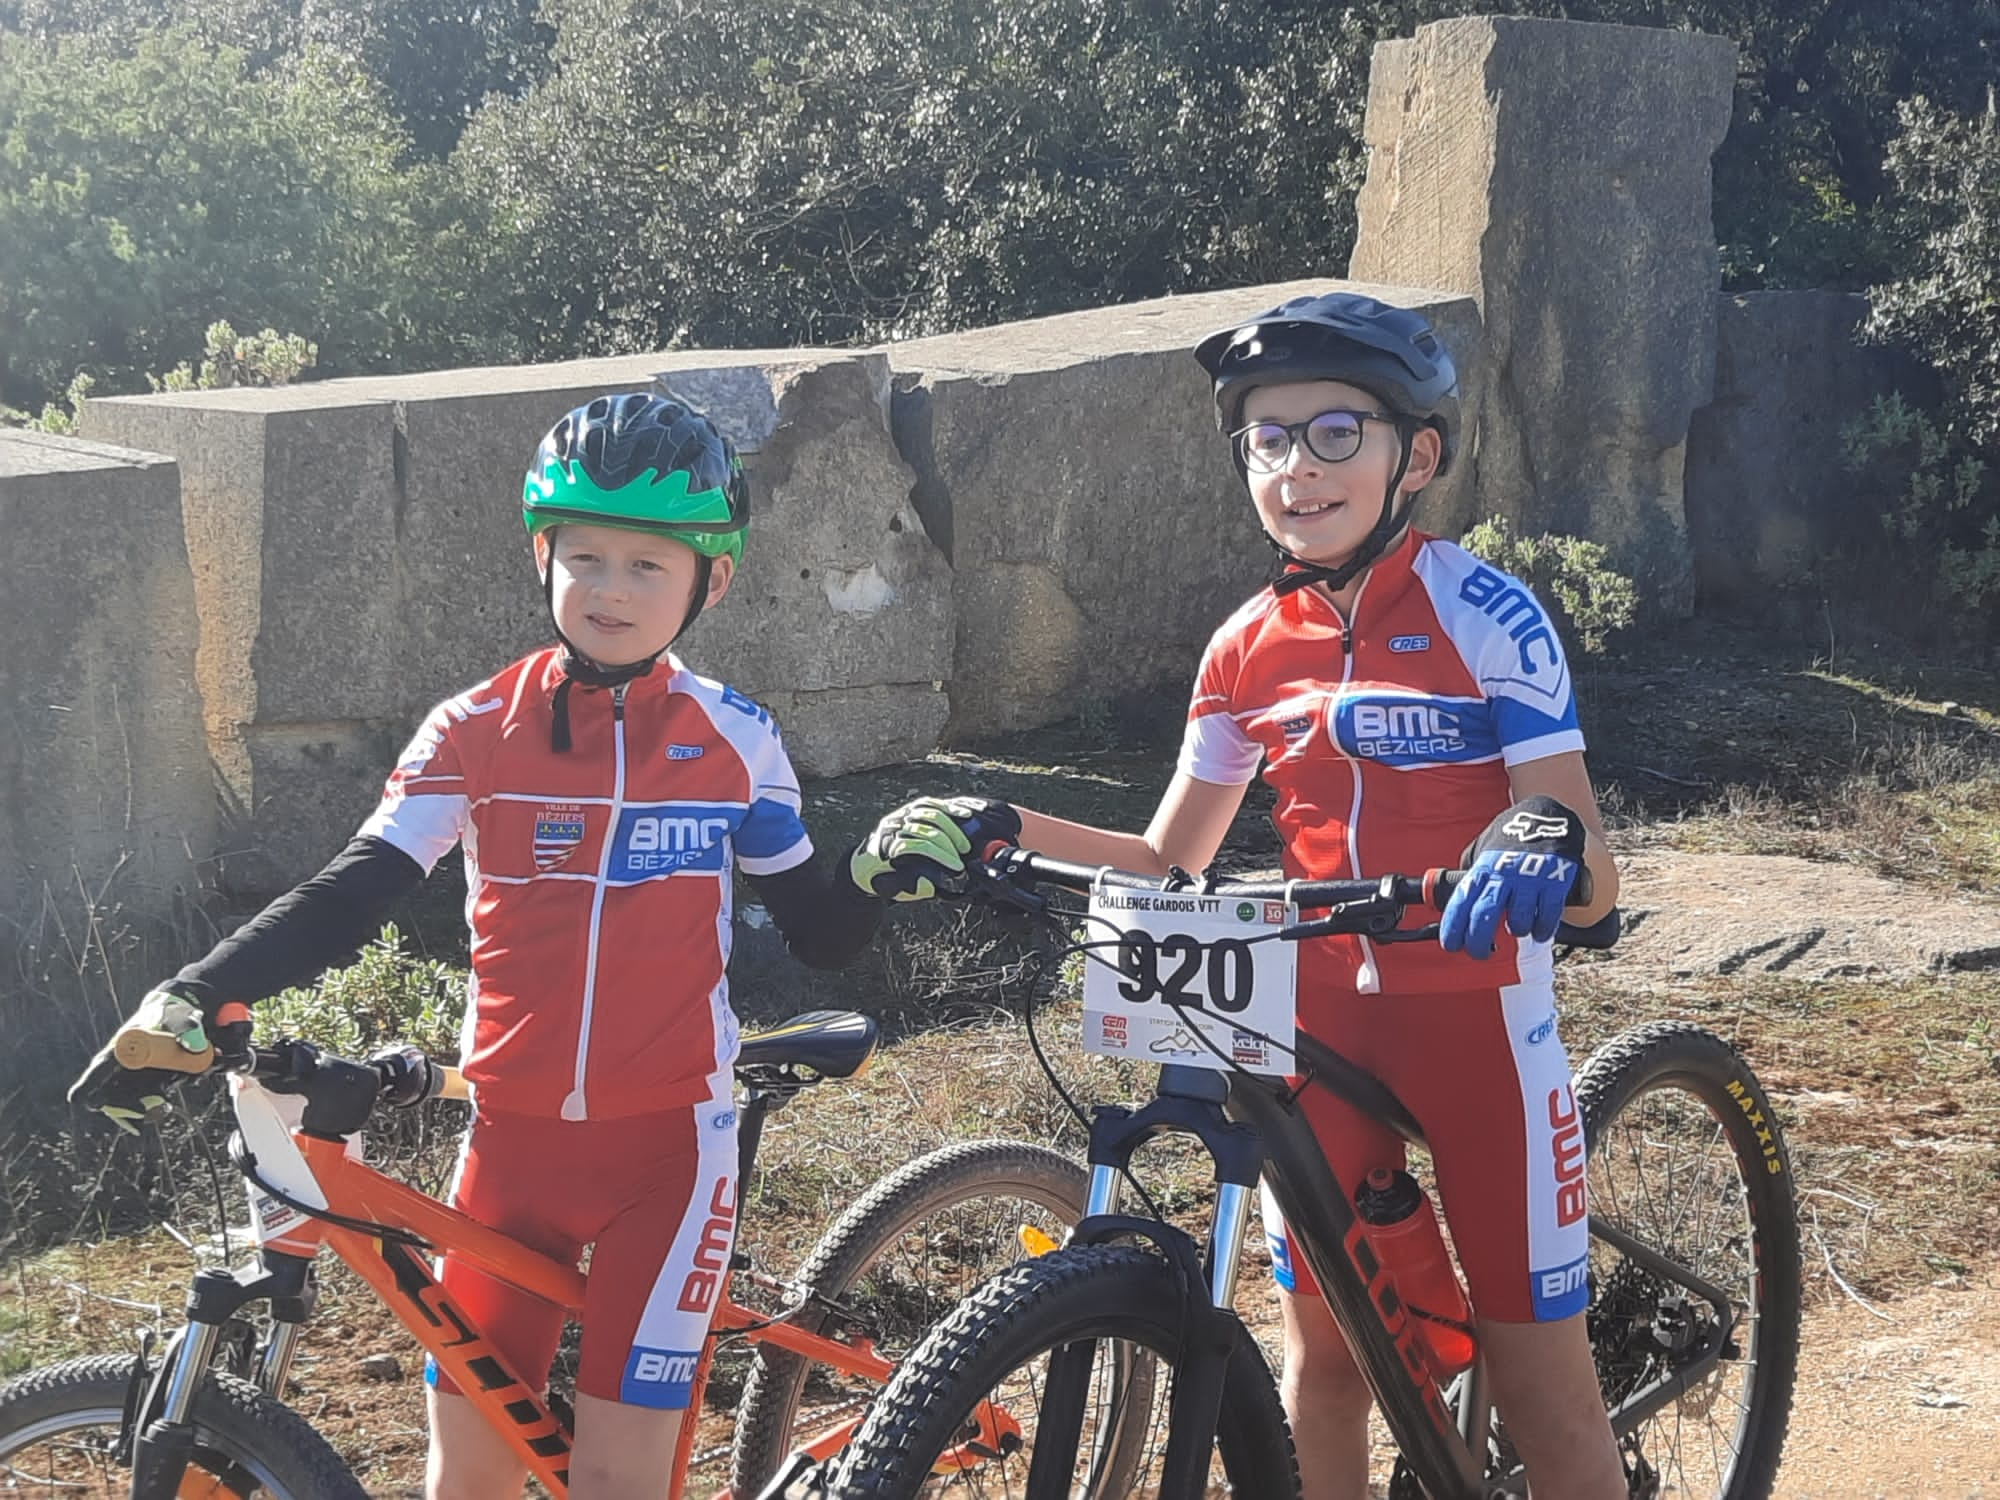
(1295,573)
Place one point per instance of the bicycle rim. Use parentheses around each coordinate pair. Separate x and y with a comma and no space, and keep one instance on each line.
(1667,1167)
(902,1257)
(72,1455)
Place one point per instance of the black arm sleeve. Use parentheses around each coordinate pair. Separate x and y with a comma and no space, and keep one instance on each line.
(309,929)
(824,918)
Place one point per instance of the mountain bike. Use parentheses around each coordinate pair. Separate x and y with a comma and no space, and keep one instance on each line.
(207,1416)
(1692,1276)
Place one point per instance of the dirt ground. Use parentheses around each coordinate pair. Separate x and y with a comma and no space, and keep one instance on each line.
(1902,1403)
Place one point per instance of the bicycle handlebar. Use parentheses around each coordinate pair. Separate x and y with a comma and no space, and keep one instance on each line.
(1357,906)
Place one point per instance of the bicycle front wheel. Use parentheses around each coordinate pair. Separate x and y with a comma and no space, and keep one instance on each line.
(960,1416)
(59,1437)
(1686,1157)
(897,1261)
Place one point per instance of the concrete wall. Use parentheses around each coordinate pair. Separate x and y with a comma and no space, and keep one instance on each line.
(1559,173)
(106,797)
(358,555)
(1071,469)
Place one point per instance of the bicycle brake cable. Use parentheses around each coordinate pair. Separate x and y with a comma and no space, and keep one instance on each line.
(246,1163)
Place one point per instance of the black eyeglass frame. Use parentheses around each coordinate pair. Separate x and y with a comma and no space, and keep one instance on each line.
(1301,432)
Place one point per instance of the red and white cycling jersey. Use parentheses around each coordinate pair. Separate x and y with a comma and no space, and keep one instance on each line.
(1387,739)
(599,878)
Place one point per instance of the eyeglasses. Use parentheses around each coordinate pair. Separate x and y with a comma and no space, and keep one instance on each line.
(1332,437)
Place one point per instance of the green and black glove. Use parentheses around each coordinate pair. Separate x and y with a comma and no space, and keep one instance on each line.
(167,1037)
(921,848)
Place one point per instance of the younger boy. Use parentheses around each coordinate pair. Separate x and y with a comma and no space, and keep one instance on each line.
(603,794)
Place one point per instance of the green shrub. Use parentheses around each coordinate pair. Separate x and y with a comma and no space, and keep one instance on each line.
(385,996)
(1937,505)
(1570,575)
(1930,474)
(267,358)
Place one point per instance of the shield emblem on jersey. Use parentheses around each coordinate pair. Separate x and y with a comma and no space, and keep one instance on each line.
(558,830)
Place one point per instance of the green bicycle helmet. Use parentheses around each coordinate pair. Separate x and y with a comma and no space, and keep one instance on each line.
(644,462)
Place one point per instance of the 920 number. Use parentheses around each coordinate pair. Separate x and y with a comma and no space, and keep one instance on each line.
(1229,966)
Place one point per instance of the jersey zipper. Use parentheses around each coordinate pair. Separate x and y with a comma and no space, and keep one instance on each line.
(574,1106)
(1368,980)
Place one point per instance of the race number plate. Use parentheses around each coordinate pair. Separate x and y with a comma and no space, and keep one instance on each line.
(1182,965)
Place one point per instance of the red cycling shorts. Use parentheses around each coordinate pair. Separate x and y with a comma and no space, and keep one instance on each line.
(655,1198)
(1486,1076)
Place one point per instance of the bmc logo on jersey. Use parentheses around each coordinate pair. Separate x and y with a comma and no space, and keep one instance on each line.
(1508,605)
(671,836)
(1409,731)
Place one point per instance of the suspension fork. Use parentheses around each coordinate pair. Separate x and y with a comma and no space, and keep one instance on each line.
(1187,1101)
(163,1422)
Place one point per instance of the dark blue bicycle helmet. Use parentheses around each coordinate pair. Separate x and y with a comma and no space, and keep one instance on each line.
(1390,352)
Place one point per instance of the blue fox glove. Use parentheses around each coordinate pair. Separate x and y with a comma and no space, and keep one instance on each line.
(921,847)
(1521,869)
(166,1037)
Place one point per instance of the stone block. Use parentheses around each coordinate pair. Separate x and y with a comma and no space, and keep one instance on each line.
(1071,468)
(108,793)
(1766,488)
(359,556)
(1559,172)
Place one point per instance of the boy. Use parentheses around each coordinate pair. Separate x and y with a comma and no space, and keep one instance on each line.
(602,792)
(1397,695)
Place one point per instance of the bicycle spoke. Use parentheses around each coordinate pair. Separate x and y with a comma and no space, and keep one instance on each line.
(1669,1176)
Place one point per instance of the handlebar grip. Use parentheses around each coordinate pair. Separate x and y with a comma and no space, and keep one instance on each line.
(451,1083)
(1439,884)
(138,1047)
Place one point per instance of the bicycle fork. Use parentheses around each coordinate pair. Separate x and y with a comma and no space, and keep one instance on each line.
(1188,1101)
(160,1409)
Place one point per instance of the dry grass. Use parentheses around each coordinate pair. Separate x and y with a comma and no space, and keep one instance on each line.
(1890,1098)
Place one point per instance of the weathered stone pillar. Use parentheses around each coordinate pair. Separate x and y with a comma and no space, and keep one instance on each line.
(106,799)
(1559,172)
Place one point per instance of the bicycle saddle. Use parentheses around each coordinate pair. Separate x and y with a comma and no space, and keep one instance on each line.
(833,1043)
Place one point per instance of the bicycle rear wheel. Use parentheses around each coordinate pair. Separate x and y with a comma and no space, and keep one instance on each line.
(959,1417)
(59,1437)
(1686,1157)
(898,1260)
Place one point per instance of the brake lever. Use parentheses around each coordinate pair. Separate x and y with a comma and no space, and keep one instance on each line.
(1001,890)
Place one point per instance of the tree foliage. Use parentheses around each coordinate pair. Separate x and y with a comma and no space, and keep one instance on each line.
(756,173)
(434,61)
(642,173)
(1934,476)
(145,194)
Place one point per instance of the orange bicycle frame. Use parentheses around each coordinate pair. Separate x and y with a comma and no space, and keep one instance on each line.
(400,1276)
